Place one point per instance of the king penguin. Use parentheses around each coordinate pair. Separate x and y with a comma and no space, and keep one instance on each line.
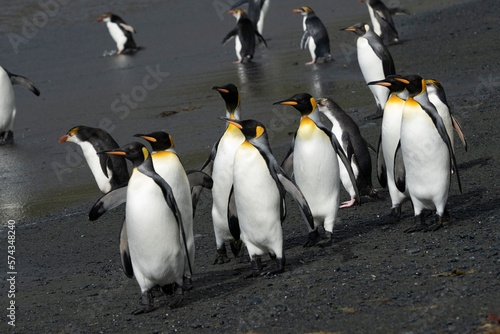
(375,62)
(315,36)
(259,186)
(355,148)
(154,229)
(389,141)
(8,102)
(109,171)
(312,160)
(219,166)
(244,34)
(382,22)
(427,155)
(120,32)
(257,10)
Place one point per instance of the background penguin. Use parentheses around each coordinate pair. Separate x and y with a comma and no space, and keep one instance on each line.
(389,141)
(427,155)
(121,32)
(219,166)
(244,34)
(259,195)
(8,102)
(168,165)
(313,161)
(355,148)
(437,96)
(375,62)
(154,229)
(109,171)
(381,18)
(315,36)
(257,10)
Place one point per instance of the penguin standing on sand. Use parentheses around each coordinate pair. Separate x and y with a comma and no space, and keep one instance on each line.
(315,36)
(427,155)
(109,171)
(244,34)
(154,229)
(8,102)
(120,32)
(355,148)
(389,141)
(375,62)
(219,166)
(382,22)
(257,10)
(312,160)
(259,195)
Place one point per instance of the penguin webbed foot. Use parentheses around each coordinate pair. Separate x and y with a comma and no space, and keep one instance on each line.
(187,283)
(146,303)
(236,247)
(221,257)
(325,241)
(439,222)
(312,238)
(347,204)
(256,265)
(6,138)
(178,296)
(419,224)
(316,238)
(280,266)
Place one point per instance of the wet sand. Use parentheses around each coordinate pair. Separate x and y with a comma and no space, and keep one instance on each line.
(375,278)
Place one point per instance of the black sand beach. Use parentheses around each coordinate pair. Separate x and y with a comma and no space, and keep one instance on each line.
(374,279)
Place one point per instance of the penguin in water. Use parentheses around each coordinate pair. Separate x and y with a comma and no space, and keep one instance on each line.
(355,148)
(257,10)
(389,141)
(375,62)
(427,154)
(315,36)
(8,102)
(168,165)
(312,160)
(244,34)
(120,32)
(109,171)
(154,229)
(437,97)
(259,187)
(382,22)
(219,166)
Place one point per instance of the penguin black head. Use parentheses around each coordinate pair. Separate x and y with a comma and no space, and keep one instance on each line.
(437,87)
(359,28)
(84,133)
(303,102)
(136,152)
(391,82)
(306,11)
(414,84)
(251,129)
(230,95)
(159,140)
(238,13)
(326,105)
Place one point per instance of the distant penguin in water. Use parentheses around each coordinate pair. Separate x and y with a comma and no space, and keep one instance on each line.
(382,22)
(315,36)
(244,34)
(120,32)
(8,102)
(257,10)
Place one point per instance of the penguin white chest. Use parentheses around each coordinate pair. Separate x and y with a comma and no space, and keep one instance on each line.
(103,181)
(370,64)
(117,34)
(7,101)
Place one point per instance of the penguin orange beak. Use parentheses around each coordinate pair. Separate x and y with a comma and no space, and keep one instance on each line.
(63,139)
(231,12)
(297,10)
(150,139)
(289,103)
(349,29)
(99,19)
(402,80)
(222,90)
(116,153)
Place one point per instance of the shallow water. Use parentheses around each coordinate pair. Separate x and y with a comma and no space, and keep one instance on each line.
(64,51)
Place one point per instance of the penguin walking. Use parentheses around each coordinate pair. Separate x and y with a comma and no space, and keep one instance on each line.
(315,36)
(120,32)
(382,22)
(259,195)
(219,166)
(427,155)
(257,10)
(168,165)
(8,103)
(312,160)
(244,34)
(389,141)
(109,171)
(355,148)
(154,229)
(375,62)
(437,96)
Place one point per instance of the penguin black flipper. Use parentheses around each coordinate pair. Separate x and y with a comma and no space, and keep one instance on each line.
(206,168)
(304,39)
(399,169)
(458,128)
(125,252)
(297,195)
(259,36)
(346,140)
(230,35)
(287,164)
(232,216)
(108,201)
(23,81)
(381,167)
(199,179)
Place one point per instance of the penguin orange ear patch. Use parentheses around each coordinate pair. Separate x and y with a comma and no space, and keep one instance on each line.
(259,131)
(313,104)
